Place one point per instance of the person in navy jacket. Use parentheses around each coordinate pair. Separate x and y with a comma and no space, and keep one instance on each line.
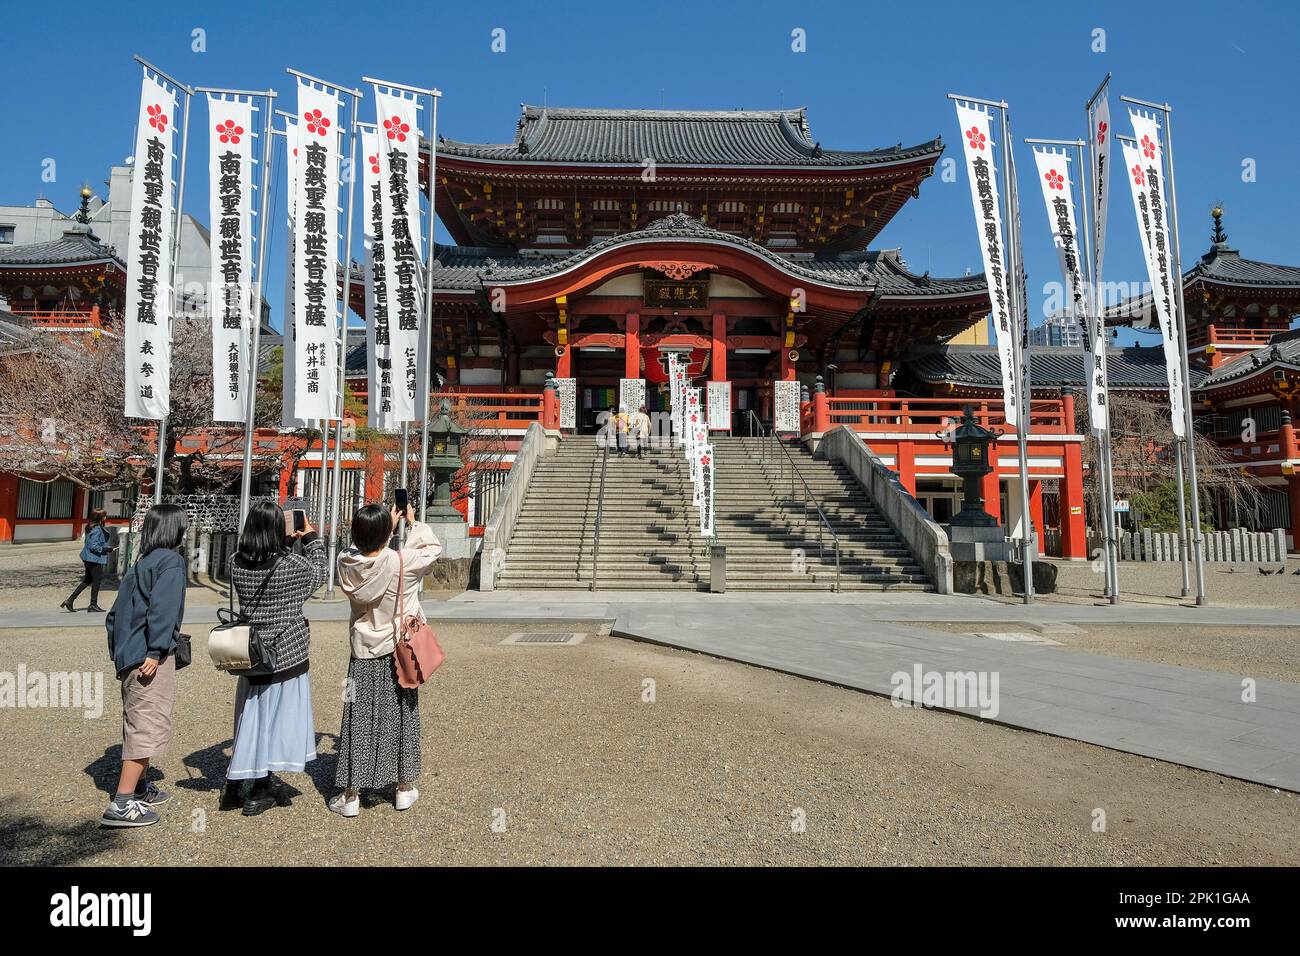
(94,556)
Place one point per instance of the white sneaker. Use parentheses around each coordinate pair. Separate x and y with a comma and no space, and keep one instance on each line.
(344,807)
(405,798)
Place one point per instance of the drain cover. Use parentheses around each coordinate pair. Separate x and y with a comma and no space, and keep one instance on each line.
(545,637)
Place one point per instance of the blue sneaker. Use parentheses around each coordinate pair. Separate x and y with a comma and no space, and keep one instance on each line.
(133,813)
(151,796)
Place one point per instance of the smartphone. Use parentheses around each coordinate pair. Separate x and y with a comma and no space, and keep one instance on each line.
(295,520)
(400,500)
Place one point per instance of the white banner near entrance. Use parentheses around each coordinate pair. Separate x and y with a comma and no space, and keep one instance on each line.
(288,367)
(566,390)
(720,406)
(706,491)
(399,163)
(785,402)
(677,392)
(631,394)
(378,342)
(1099,133)
(982,172)
(230,211)
(1058,195)
(316,255)
(1144,163)
(148,256)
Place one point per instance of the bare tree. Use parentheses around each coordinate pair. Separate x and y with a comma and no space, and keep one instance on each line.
(1142,454)
(61,413)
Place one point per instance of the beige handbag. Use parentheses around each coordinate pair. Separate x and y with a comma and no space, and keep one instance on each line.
(235,645)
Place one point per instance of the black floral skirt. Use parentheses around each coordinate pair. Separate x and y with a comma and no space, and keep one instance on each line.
(379,744)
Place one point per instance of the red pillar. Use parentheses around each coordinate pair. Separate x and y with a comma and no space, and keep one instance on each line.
(550,410)
(719,363)
(907,466)
(1036,507)
(375,473)
(787,367)
(1074,535)
(563,362)
(632,347)
(9,506)
(992,485)
(1292,493)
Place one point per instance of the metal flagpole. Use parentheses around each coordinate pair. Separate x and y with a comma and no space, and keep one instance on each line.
(1105,459)
(1193,538)
(336,491)
(434,95)
(159,466)
(1183,555)
(1020,317)
(322,511)
(250,406)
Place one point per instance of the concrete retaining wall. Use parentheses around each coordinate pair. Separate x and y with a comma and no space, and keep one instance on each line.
(924,537)
(497,532)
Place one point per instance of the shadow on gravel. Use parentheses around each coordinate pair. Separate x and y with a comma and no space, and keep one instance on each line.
(27,840)
(105,770)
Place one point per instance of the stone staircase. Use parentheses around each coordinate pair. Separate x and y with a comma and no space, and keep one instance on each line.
(649,538)
(772,543)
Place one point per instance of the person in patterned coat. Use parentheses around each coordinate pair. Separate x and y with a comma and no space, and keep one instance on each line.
(274,730)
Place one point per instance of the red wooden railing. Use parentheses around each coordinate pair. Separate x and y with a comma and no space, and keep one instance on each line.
(514,410)
(925,416)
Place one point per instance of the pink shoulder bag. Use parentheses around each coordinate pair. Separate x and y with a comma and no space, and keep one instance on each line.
(416,651)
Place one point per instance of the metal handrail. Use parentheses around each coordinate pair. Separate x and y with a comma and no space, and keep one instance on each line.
(771,438)
(600,510)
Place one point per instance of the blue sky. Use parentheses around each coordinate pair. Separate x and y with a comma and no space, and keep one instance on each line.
(873,75)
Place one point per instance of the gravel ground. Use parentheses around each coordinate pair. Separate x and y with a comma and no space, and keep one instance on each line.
(558,743)
(1272,652)
(1226,585)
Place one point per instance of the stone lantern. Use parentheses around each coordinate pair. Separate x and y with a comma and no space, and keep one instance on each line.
(970,463)
(446,443)
(973,533)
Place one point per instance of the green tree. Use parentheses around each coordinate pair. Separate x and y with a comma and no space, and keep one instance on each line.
(1159,507)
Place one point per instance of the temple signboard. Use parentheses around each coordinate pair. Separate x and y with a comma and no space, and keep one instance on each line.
(673,293)
(786,398)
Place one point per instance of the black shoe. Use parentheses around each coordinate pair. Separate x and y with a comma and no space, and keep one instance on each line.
(260,799)
(93,609)
(67,605)
(232,796)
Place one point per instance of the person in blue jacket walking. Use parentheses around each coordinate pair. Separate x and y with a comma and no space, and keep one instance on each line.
(94,555)
(142,629)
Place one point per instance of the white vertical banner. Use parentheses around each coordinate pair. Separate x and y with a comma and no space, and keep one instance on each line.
(631,394)
(230,210)
(316,254)
(1058,195)
(677,392)
(398,140)
(379,370)
(1144,163)
(566,390)
(148,259)
(706,491)
(719,406)
(977,146)
(785,405)
(288,386)
(1101,135)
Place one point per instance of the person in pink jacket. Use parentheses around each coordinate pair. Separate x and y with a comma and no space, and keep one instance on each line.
(379,744)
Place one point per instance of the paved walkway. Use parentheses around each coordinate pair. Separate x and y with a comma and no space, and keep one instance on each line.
(1178,714)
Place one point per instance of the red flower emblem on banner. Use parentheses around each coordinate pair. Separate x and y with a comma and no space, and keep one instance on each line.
(316,122)
(1138,178)
(374,163)
(228,132)
(705,459)
(1148,148)
(157,118)
(976,138)
(1101,131)
(397,129)
(1054,180)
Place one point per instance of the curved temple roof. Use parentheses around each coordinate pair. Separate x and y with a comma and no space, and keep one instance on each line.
(471,268)
(760,138)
